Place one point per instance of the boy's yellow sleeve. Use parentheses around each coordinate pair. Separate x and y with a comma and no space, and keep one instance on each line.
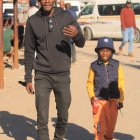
(90,83)
(121,83)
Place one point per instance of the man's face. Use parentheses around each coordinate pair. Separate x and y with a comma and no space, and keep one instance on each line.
(47,4)
(105,54)
(128,5)
(62,4)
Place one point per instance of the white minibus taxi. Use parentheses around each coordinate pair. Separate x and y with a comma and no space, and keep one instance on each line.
(102,18)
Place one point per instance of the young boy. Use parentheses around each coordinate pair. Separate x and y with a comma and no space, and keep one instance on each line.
(105,86)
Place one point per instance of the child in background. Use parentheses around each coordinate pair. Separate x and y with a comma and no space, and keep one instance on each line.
(7,36)
(105,86)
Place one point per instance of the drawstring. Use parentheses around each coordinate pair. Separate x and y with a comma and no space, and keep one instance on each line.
(46,35)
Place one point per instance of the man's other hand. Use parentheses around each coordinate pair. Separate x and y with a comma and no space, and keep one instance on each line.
(29,88)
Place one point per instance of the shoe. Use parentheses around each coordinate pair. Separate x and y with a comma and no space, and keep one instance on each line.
(130,54)
(120,51)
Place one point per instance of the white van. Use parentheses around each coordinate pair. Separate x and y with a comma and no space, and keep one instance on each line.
(102,18)
(8,8)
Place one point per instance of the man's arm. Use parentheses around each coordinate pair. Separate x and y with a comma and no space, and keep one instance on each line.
(74,31)
(29,52)
(122,19)
(134,23)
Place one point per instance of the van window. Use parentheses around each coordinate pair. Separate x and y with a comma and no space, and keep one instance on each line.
(87,10)
(108,10)
(9,11)
(136,7)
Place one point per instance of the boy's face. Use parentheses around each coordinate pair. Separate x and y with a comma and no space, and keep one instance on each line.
(105,54)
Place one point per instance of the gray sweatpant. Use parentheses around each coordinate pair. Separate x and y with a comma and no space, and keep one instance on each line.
(44,84)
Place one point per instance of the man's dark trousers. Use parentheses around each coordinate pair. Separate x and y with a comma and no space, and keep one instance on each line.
(44,84)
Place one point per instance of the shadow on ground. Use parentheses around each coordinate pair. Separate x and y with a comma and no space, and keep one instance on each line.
(7,65)
(121,136)
(21,61)
(76,132)
(17,126)
(133,66)
(21,128)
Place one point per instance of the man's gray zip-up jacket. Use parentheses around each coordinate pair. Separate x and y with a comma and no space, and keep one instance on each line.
(53,53)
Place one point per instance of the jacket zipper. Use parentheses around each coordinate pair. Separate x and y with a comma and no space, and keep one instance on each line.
(107,79)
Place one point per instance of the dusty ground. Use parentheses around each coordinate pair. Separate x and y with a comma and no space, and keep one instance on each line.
(18,114)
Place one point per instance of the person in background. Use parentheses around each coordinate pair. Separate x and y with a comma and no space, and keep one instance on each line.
(73,49)
(33,8)
(68,7)
(128,25)
(62,4)
(20,34)
(105,86)
(7,35)
(48,33)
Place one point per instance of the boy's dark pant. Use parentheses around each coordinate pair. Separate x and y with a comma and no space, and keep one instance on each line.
(44,84)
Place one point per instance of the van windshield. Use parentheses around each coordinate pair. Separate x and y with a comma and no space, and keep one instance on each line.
(87,10)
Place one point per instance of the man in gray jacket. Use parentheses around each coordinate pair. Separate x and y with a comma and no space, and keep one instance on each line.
(48,33)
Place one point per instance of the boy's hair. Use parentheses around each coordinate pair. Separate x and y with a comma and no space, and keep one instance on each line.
(105,42)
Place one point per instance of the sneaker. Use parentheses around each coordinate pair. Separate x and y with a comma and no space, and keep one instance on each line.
(130,54)
(120,51)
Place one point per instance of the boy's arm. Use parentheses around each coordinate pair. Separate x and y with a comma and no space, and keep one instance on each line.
(90,84)
(121,83)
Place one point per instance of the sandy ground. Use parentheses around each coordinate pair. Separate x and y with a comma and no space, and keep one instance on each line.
(17,109)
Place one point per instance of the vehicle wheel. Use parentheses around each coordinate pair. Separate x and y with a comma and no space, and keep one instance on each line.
(137,36)
(88,34)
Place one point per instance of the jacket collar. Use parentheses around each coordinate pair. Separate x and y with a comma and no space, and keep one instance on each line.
(57,11)
(110,62)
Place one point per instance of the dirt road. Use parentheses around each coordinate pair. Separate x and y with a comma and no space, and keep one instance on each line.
(18,114)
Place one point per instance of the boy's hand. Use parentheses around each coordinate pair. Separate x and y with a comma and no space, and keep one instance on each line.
(92,100)
(120,105)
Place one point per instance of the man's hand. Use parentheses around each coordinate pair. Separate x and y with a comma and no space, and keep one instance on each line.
(135,31)
(29,88)
(120,105)
(70,31)
(123,29)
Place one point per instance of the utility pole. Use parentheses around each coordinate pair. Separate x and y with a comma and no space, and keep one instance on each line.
(15,3)
(1,47)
